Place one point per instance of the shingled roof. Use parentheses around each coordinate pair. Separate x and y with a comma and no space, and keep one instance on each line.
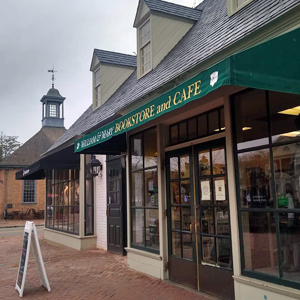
(31,151)
(109,57)
(174,9)
(214,32)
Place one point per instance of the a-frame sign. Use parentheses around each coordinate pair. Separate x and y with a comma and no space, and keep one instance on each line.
(31,241)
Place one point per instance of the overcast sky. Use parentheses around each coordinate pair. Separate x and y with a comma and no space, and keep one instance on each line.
(34,34)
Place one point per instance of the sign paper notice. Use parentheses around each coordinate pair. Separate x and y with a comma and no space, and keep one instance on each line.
(205,190)
(220,190)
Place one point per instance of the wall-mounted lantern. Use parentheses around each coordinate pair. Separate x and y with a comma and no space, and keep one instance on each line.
(95,166)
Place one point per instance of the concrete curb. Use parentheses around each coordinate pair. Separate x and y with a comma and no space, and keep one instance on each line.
(14,226)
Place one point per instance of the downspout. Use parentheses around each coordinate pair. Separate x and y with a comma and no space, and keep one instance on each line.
(5,194)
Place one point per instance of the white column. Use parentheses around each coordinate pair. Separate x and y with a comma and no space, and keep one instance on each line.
(236,255)
(163,230)
(81,195)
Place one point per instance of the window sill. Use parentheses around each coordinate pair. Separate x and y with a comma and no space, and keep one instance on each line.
(144,253)
(274,288)
(28,203)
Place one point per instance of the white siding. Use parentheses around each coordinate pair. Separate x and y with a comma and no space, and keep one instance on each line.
(166,33)
(100,202)
(112,77)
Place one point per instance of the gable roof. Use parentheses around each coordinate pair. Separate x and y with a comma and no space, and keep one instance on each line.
(121,59)
(214,32)
(31,151)
(174,9)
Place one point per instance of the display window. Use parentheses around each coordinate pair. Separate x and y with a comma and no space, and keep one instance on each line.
(267,135)
(144,191)
(62,200)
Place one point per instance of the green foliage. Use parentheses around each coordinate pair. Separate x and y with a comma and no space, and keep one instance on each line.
(8,144)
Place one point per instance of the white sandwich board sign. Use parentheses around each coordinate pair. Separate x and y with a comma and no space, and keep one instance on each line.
(31,241)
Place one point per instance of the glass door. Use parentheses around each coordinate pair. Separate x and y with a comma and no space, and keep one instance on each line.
(214,255)
(182,254)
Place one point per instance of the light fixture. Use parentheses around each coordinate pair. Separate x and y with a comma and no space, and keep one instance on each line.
(294,111)
(95,166)
(223,128)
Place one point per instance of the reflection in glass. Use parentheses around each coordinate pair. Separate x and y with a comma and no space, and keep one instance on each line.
(185,166)
(251,119)
(223,253)
(174,135)
(204,163)
(254,175)
(218,160)
(174,168)
(137,189)
(222,221)
(285,116)
(208,250)
(207,220)
(136,152)
(151,188)
(175,218)
(186,218)
(260,245)
(174,191)
(185,191)
(182,132)
(202,125)
(150,148)
(138,227)
(187,246)
(192,129)
(289,226)
(287,175)
(152,228)
(213,122)
(176,244)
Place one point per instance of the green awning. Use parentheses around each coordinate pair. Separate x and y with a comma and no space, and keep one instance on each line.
(273,65)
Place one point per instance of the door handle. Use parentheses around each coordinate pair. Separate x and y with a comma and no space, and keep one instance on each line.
(196,227)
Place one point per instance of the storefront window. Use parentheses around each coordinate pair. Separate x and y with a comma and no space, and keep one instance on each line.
(200,126)
(268,161)
(62,200)
(144,191)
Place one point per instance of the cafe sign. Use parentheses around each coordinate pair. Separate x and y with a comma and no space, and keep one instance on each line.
(190,90)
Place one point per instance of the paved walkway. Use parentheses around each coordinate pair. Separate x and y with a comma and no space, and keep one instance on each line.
(18,223)
(89,274)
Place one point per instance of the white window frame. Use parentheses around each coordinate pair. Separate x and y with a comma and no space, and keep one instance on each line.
(233,6)
(143,46)
(51,110)
(23,191)
(97,87)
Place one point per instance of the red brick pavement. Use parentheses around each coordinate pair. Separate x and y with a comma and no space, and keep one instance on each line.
(88,274)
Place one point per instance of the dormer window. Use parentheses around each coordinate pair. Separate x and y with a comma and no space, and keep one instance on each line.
(97,88)
(236,5)
(145,47)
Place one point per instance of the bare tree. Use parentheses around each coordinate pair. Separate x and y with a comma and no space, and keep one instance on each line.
(8,144)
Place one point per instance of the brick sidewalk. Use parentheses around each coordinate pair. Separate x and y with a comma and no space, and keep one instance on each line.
(18,223)
(89,274)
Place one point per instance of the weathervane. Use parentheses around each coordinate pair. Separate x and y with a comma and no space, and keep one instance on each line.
(53,78)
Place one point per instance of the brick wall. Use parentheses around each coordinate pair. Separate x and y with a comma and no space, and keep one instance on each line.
(100,202)
(14,193)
